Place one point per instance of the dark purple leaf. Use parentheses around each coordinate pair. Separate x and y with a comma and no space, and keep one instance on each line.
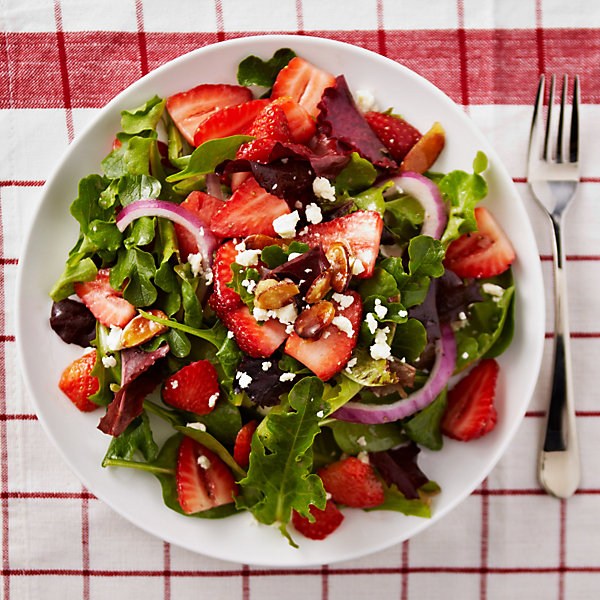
(303,269)
(340,119)
(265,387)
(400,467)
(454,296)
(139,377)
(427,313)
(73,322)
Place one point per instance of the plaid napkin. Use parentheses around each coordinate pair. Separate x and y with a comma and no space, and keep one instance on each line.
(61,61)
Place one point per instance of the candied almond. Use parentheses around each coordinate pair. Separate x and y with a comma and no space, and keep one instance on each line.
(260,241)
(312,320)
(319,287)
(271,294)
(339,260)
(140,329)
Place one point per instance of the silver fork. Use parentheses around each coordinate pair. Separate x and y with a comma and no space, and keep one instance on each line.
(553,177)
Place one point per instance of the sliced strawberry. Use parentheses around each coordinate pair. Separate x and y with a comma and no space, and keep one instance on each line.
(250,210)
(238,178)
(256,340)
(104,302)
(223,298)
(470,412)
(195,387)
(361,231)
(259,150)
(271,123)
(396,134)
(203,480)
(328,354)
(241,450)
(189,109)
(304,83)
(232,120)
(353,483)
(202,205)
(482,253)
(302,125)
(78,384)
(326,521)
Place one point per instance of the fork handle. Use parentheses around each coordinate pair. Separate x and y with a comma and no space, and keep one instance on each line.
(559,468)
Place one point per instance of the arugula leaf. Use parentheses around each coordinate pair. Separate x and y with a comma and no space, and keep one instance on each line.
(83,270)
(353,438)
(342,390)
(395,500)
(381,284)
(274,256)
(404,217)
(281,461)
(424,427)
(369,371)
(136,187)
(145,117)
(371,199)
(138,268)
(136,439)
(255,71)
(206,157)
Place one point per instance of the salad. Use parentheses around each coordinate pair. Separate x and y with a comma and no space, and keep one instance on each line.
(273,272)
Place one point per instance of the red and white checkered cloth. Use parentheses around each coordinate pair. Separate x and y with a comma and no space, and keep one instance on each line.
(62,60)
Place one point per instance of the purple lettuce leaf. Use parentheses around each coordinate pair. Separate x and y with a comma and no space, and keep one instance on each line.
(73,322)
(303,269)
(454,296)
(265,387)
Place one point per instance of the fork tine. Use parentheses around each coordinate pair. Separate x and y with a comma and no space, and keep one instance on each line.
(574,135)
(561,121)
(547,138)
(535,121)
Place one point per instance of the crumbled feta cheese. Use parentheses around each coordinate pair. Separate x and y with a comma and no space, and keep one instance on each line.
(247,258)
(357,267)
(241,246)
(313,213)
(361,441)
(213,400)
(174,384)
(352,362)
(371,322)
(243,379)
(343,324)
(379,309)
(465,355)
(344,300)
(197,425)
(363,457)
(294,255)
(113,341)
(286,314)
(230,335)
(285,225)
(326,334)
(492,289)
(266,365)
(289,329)
(195,261)
(462,316)
(328,496)
(380,349)
(89,350)
(287,376)
(320,414)
(249,284)
(365,100)
(204,462)
(402,313)
(260,314)
(322,188)
(109,361)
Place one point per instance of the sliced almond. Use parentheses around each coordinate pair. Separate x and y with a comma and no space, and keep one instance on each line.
(319,288)
(260,241)
(339,260)
(424,153)
(271,294)
(139,330)
(312,320)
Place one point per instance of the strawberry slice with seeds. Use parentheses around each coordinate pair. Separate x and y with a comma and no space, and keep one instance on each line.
(203,480)
(271,123)
(396,134)
(304,83)
(105,303)
(258,340)
(326,521)
(327,355)
(189,109)
(301,124)
(251,209)
(194,388)
(232,120)
(360,231)
(223,298)
(470,412)
(78,384)
(203,205)
(483,253)
(243,440)
(353,483)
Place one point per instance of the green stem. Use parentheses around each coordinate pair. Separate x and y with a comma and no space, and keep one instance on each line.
(131,464)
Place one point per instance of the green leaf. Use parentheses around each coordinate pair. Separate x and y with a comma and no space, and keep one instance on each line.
(280,461)
(208,156)
(144,117)
(397,501)
(426,255)
(136,440)
(274,256)
(424,427)
(86,207)
(480,163)
(353,438)
(369,371)
(404,217)
(358,175)
(137,187)
(342,390)
(255,71)
(240,275)
(382,284)
(137,267)
(106,376)
(84,270)
(409,340)
(371,199)
(142,232)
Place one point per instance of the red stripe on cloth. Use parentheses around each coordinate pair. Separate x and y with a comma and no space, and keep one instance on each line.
(18,417)
(167,572)
(539,38)
(85,544)
(381,41)
(139,16)
(6,338)
(578,413)
(103,63)
(48,495)
(462,52)
(9,261)
(577,334)
(405,563)
(485,530)
(300,17)
(64,71)
(573,257)
(21,183)
(245,582)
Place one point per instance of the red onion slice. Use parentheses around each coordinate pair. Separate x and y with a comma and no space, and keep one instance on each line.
(443,368)
(428,195)
(205,239)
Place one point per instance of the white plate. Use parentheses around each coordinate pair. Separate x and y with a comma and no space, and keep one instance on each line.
(459,468)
